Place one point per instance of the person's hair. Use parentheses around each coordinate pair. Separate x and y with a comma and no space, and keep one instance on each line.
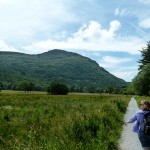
(147,103)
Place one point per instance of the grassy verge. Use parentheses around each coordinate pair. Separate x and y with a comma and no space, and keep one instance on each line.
(139,98)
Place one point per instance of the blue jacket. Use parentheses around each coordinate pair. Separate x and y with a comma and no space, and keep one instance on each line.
(138,117)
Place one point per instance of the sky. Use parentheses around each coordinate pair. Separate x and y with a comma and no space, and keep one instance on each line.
(110,32)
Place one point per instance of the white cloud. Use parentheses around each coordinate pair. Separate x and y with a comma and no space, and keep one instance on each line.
(120,67)
(145,23)
(121,12)
(112,62)
(5,47)
(94,32)
(5,1)
(26,20)
(127,74)
(145,1)
(115,46)
(91,37)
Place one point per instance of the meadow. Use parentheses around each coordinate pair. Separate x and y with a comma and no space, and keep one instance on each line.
(37,121)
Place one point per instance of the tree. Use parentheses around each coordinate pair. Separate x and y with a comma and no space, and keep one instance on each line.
(25,85)
(141,82)
(145,56)
(110,89)
(57,89)
(91,89)
(1,86)
(129,90)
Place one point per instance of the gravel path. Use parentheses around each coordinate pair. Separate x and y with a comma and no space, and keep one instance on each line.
(129,139)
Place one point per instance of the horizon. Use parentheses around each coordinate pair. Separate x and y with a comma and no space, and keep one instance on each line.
(111,33)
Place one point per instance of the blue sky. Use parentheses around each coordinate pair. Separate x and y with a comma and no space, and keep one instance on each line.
(109,32)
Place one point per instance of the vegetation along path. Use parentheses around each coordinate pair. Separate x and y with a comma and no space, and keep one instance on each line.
(129,139)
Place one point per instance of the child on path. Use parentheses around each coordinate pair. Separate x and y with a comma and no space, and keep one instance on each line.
(138,117)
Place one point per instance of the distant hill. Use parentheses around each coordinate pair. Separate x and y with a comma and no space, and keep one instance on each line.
(54,66)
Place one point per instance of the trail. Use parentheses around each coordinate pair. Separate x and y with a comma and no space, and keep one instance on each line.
(129,139)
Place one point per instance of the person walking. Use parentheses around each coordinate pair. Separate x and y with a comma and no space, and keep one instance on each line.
(138,117)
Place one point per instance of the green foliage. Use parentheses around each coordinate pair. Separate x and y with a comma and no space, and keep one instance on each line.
(1,86)
(55,66)
(142,81)
(115,90)
(57,89)
(87,130)
(41,121)
(25,86)
(139,98)
(91,90)
(145,56)
(129,90)
(121,105)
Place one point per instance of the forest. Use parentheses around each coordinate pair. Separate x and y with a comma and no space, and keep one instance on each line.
(79,73)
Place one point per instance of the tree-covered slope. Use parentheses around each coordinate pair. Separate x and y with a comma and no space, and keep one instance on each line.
(55,65)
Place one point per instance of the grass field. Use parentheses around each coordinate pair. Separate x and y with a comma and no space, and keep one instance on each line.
(37,121)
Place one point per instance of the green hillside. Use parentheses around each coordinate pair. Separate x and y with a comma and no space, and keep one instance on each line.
(54,66)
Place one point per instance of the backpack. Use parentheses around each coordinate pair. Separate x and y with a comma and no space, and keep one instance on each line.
(145,126)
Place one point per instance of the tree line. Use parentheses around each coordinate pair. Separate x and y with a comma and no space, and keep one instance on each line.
(141,83)
(59,88)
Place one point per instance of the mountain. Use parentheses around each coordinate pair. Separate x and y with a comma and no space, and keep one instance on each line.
(54,66)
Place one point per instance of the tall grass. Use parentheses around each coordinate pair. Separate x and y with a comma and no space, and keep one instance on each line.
(140,98)
(44,122)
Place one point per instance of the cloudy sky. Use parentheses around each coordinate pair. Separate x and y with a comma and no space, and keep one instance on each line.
(109,32)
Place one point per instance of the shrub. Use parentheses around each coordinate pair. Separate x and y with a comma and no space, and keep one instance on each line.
(25,85)
(57,89)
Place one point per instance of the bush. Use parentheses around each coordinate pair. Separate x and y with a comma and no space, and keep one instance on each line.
(25,85)
(57,89)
